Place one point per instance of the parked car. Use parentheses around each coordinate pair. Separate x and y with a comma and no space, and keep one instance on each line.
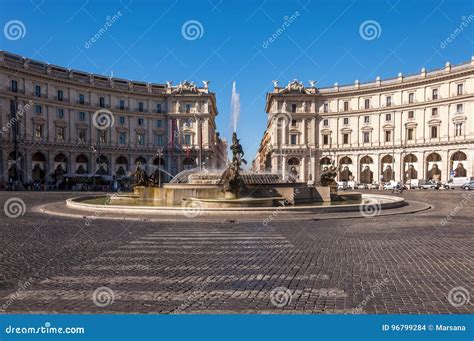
(456,183)
(362,186)
(341,185)
(429,185)
(412,184)
(391,185)
(468,185)
(373,186)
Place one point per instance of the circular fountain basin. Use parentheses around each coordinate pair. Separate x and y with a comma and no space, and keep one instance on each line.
(234,202)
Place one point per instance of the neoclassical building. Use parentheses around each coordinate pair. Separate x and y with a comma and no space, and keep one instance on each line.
(418,126)
(56,121)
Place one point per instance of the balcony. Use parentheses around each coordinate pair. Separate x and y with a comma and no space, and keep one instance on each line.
(121,108)
(107,106)
(82,102)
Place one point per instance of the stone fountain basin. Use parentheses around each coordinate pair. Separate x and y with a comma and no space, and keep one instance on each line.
(235,202)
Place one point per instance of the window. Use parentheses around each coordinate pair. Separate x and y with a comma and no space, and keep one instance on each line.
(326,107)
(459,108)
(293,123)
(435,94)
(122,120)
(388,117)
(141,139)
(38,133)
(187,108)
(346,106)
(60,133)
(158,108)
(82,99)
(326,122)
(366,119)
(60,113)
(121,104)
(293,139)
(325,139)
(81,134)
(388,135)
(458,129)
(14,86)
(140,106)
(410,132)
(38,109)
(37,91)
(346,120)
(434,112)
(101,102)
(293,107)
(367,103)
(388,101)
(141,121)
(345,138)
(434,132)
(366,136)
(411,97)
(122,138)
(82,116)
(187,139)
(159,123)
(60,95)
(103,137)
(411,114)
(460,89)
(159,140)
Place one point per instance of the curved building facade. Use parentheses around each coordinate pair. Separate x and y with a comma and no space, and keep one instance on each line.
(410,127)
(56,121)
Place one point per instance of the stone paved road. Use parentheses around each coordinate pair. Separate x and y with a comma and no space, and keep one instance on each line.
(393,264)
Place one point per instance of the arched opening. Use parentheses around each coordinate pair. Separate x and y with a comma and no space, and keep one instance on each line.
(293,168)
(38,167)
(81,164)
(60,168)
(345,169)
(102,165)
(188,163)
(158,173)
(121,166)
(433,172)
(459,164)
(366,172)
(386,168)
(409,167)
(15,166)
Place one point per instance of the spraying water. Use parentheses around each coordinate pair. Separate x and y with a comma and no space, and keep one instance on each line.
(235,107)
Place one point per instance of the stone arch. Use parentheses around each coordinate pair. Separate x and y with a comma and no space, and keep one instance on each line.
(433,171)
(458,164)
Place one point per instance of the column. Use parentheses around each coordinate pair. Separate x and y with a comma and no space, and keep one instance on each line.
(303,131)
(283,166)
(274,164)
(303,169)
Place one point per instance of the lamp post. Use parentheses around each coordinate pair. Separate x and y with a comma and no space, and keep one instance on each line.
(159,153)
(14,108)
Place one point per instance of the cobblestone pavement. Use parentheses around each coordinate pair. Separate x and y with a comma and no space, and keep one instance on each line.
(392,264)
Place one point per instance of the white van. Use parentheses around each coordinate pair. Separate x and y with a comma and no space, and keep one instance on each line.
(456,182)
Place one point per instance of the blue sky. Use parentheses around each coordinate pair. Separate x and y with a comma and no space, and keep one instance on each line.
(323,43)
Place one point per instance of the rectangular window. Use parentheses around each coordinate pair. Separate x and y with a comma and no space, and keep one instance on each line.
(388,135)
(458,131)
(123,138)
(38,91)
(158,108)
(38,131)
(187,139)
(346,120)
(366,119)
(435,94)
(38,109)
(410,132)
(326,122)
(60,113)
(325,139)
(346,106)
(159,123)
(141,121)
(345,138)
(60,133)
(293,123)
(14,86)
(103,137)
(60,95)
(121,104)
(159,140)
(388,117)
(82,116)
(460,89)
(140,106)
(122,120)
(434,112)
(459,108)
(388,101)
(411,97)
(293,107)
(101,102)
(293,139)
(366,137)
(141,139)
(434,132)
(411,114)
(187,108)
(81,134)
(367,103)
(326,107)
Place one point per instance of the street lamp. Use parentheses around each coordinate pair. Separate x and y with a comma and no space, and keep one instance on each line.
(159,153)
